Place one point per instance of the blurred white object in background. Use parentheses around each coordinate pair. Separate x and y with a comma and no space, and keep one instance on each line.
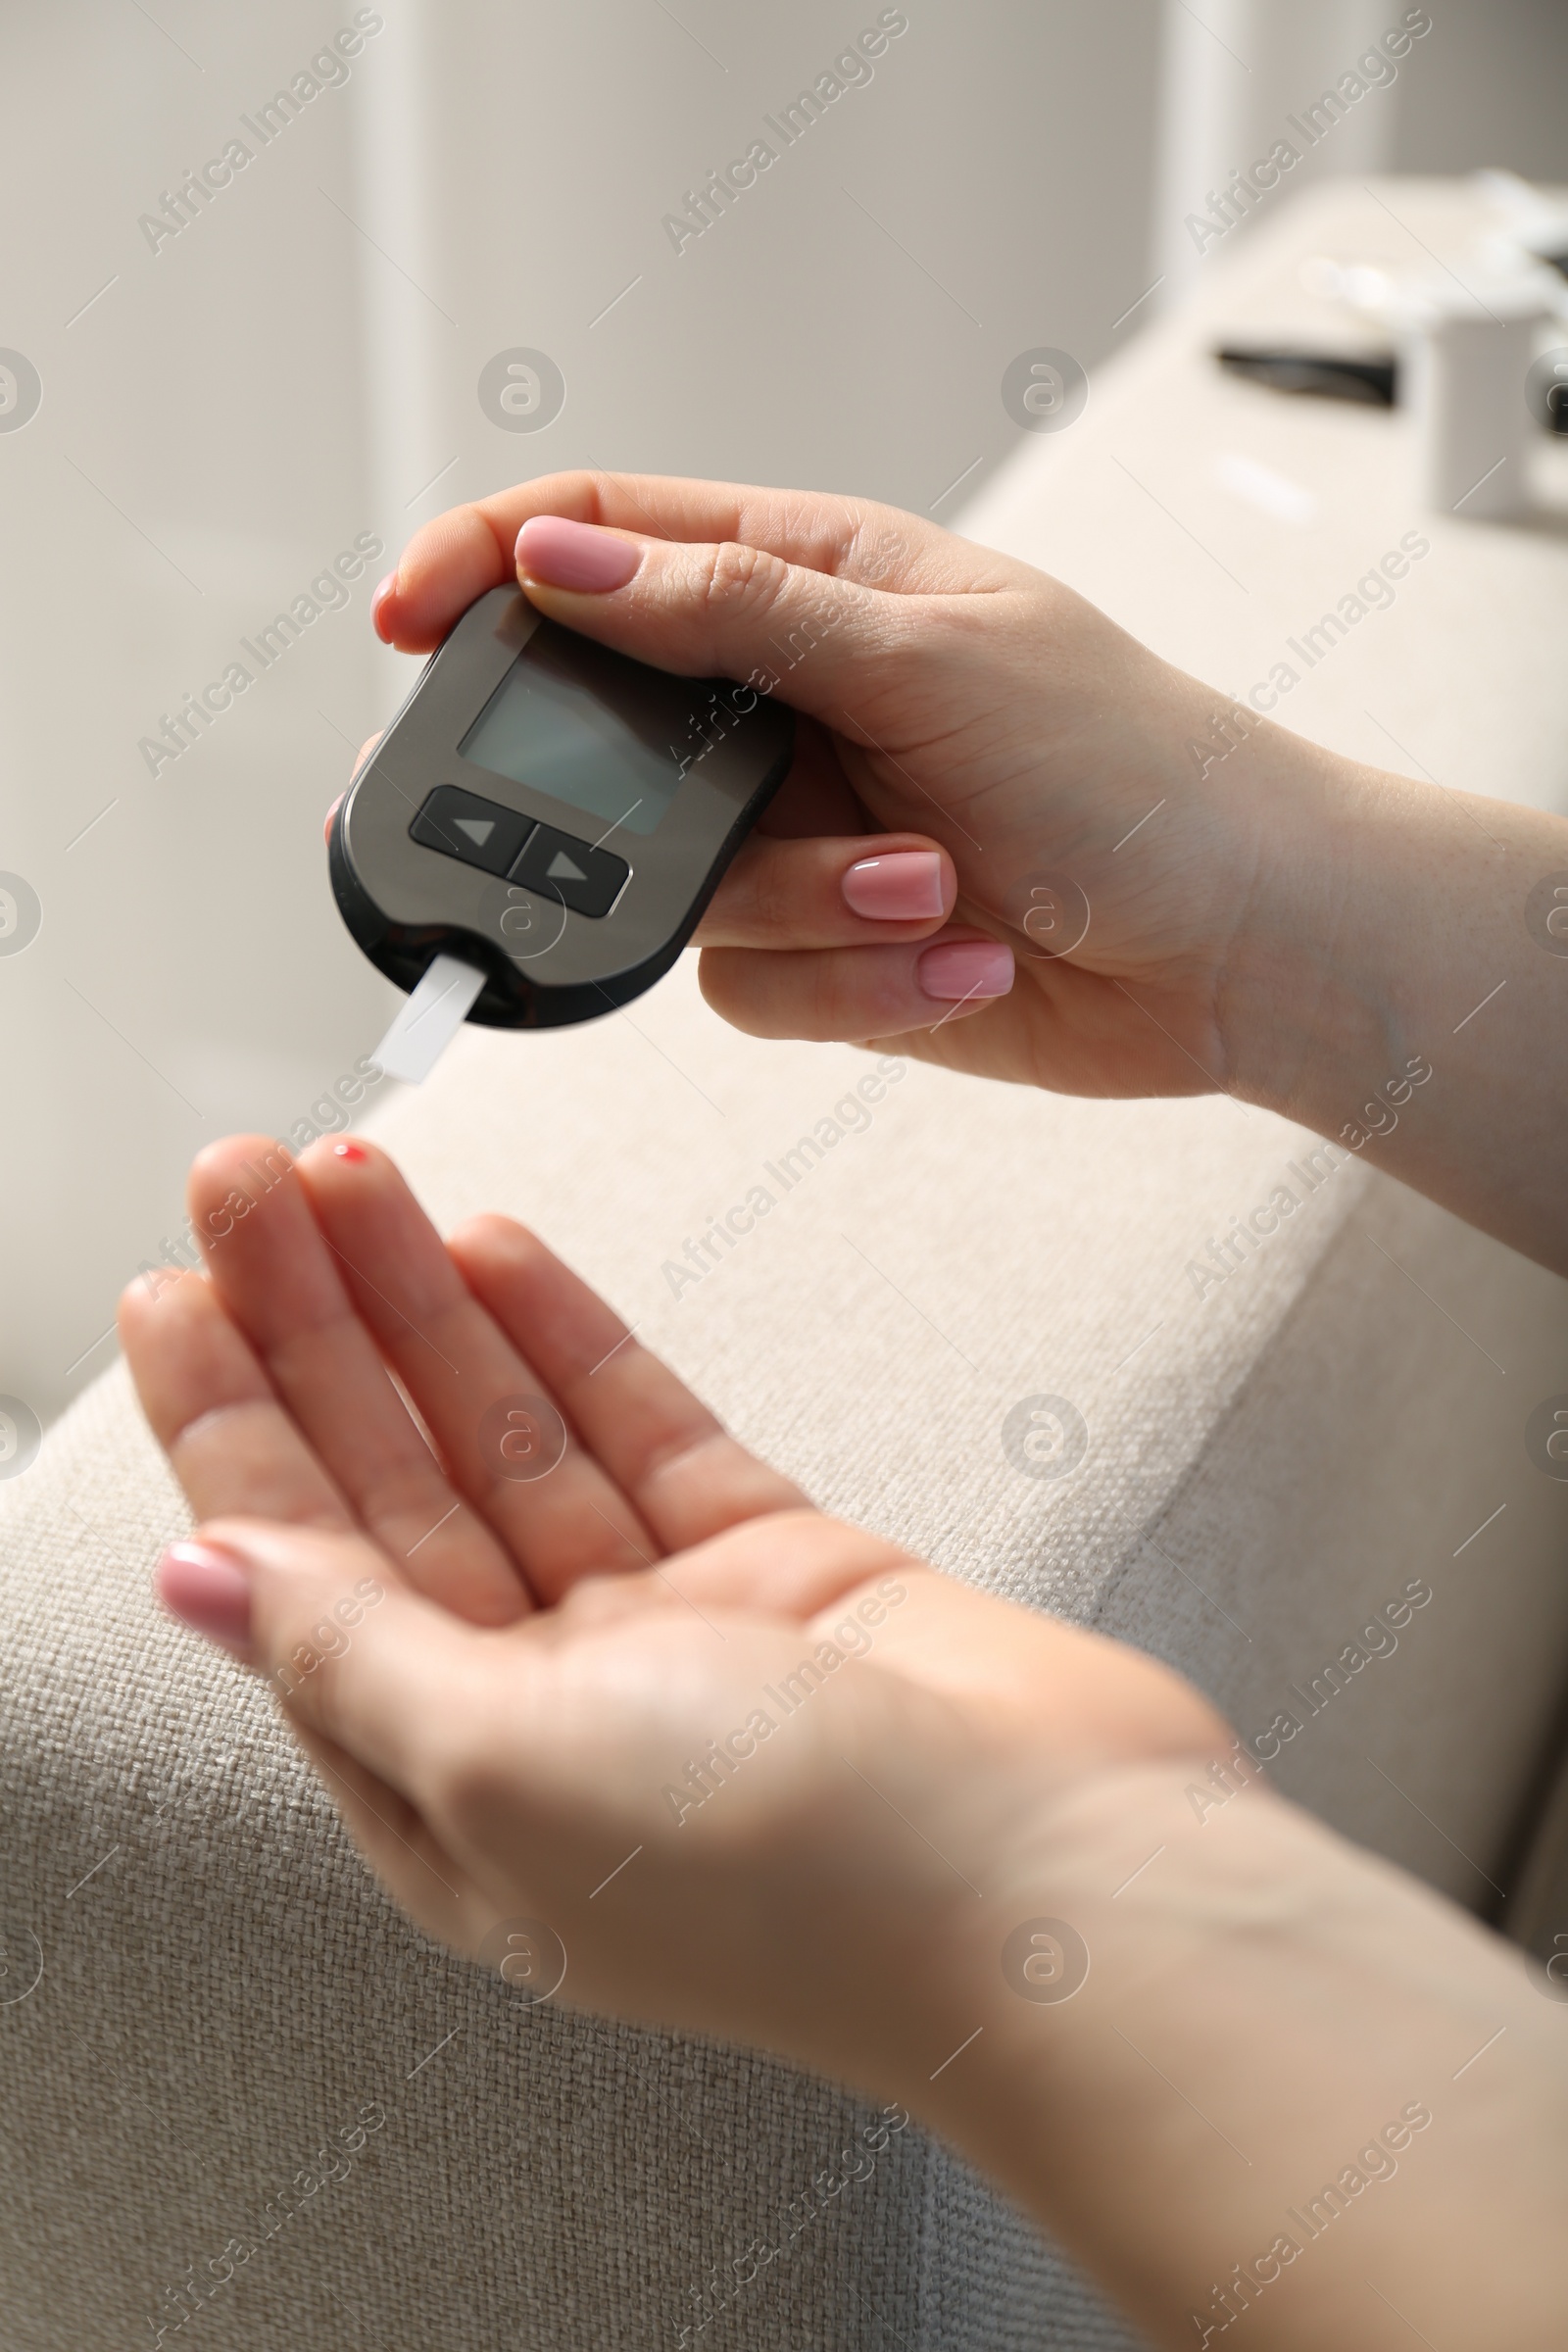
(1536,222)
(1465,362)
(1469,330)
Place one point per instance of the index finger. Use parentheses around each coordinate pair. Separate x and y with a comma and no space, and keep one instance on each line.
(470,549)
(360,757)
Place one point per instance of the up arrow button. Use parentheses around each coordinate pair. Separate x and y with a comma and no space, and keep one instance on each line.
(562,869)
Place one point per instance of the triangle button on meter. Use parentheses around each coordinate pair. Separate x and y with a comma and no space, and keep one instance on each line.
(464,825)
(576,875)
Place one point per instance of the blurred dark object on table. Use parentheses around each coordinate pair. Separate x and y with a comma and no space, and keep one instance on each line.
(1326,376)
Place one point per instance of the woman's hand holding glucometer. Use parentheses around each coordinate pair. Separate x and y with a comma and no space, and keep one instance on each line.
(1024,846)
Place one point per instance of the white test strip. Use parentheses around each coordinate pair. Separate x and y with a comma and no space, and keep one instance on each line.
(430,1021)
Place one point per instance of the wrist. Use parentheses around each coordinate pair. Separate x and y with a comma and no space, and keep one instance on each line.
(1253,2011)
(1301,1003)
(1107,1891)
(1386,983)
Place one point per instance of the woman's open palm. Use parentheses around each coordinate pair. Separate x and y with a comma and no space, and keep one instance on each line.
(564,1650)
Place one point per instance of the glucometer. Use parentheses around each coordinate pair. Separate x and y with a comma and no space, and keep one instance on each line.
(537,833)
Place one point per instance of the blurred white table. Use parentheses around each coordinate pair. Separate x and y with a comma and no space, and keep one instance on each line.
(1217,520)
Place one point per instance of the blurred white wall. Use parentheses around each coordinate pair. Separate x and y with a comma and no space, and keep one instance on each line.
(223,411)
(1455,86)
(1237,73)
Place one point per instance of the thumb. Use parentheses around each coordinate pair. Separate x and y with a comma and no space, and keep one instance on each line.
(717,609)
(355,1657)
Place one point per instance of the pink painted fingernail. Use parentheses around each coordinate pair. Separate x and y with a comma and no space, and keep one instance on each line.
(378,604)
(327,821)
(960,968)
(209,1591)
(574,555)
(903,887)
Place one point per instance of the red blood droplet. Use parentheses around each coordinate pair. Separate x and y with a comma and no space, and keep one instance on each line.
(352,1152)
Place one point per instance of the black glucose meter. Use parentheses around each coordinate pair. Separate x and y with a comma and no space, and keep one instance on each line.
(550,813)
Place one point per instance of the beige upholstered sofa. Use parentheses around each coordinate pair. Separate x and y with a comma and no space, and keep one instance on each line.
(245,2106)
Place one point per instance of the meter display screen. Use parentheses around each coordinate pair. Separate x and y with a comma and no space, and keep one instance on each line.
(586,725)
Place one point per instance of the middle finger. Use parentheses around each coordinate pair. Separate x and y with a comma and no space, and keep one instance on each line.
(868,890)
(494,1412)
(285,1292)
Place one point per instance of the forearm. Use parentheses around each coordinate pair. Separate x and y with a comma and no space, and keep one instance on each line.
(1395,985)
(1235,2091)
